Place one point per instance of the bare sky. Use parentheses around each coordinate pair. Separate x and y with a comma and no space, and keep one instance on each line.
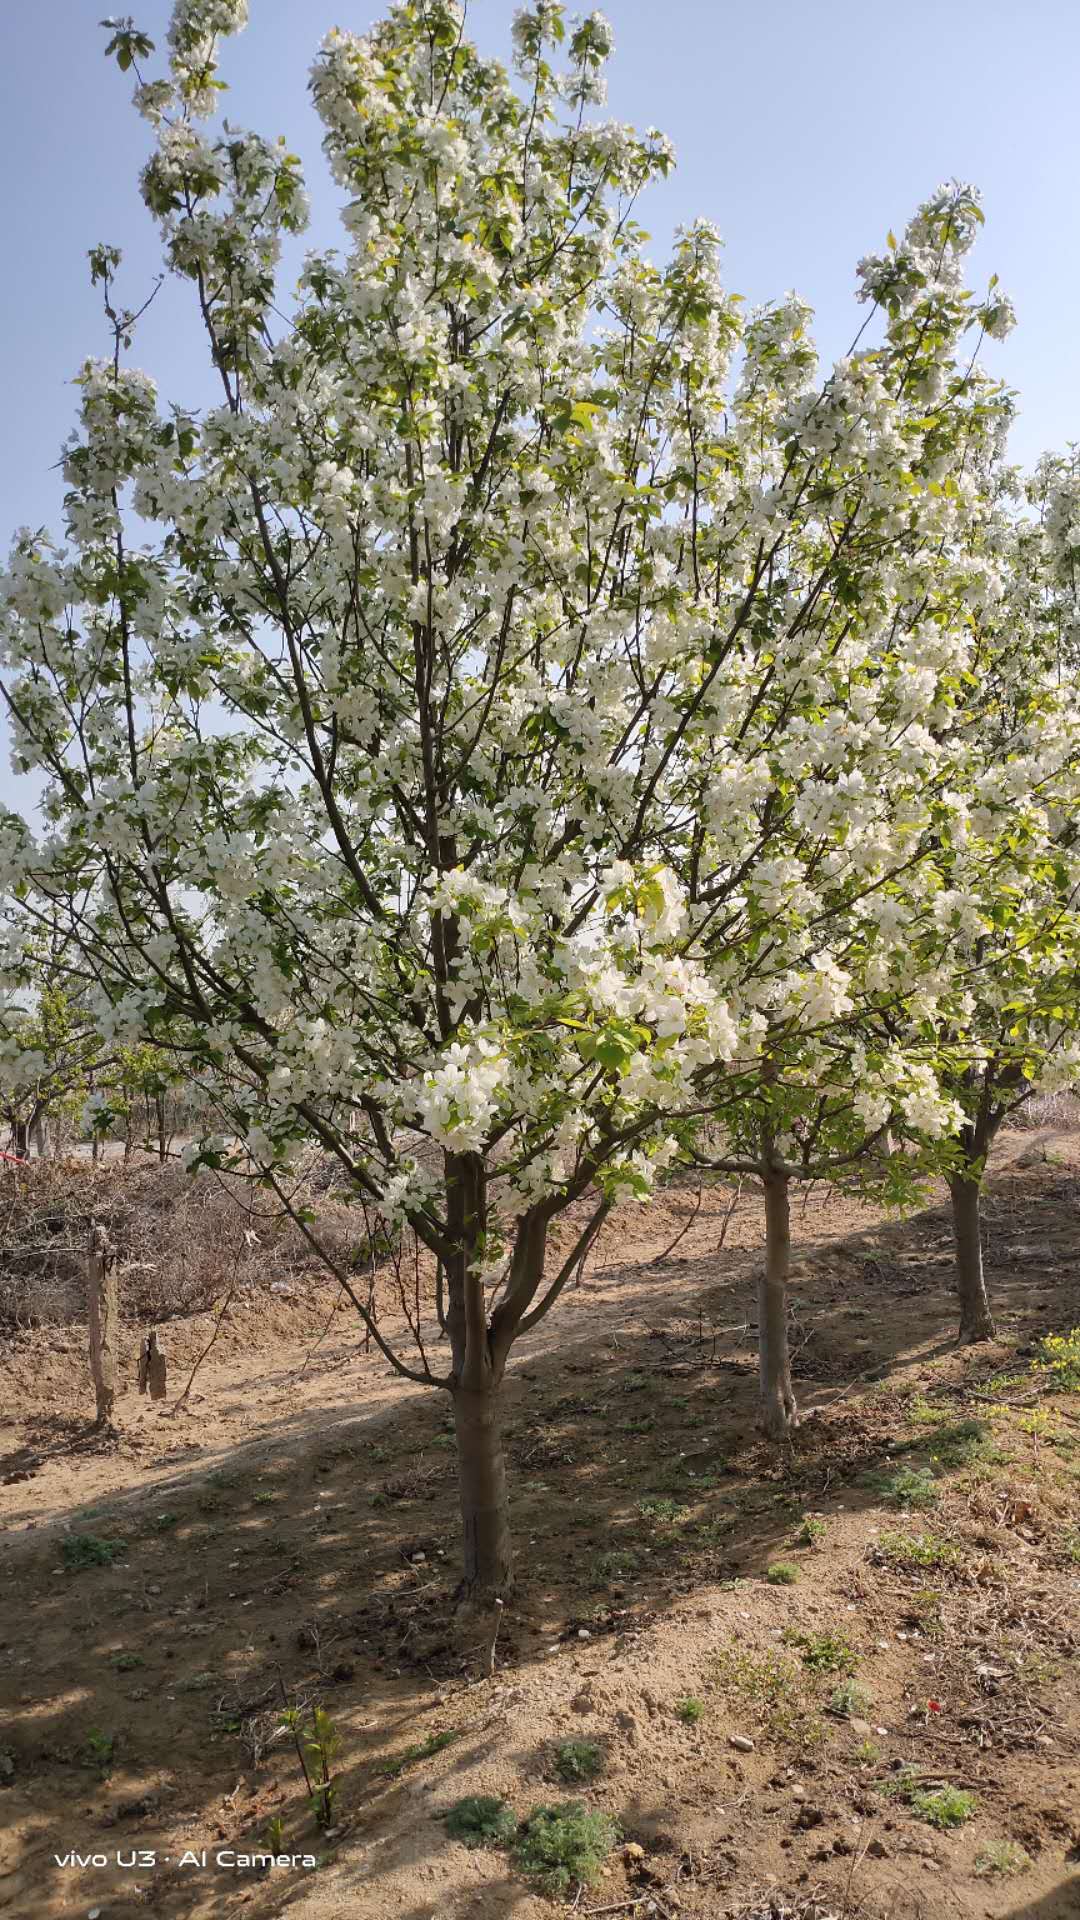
(804,128)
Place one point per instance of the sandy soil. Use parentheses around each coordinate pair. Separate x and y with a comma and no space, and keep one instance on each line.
(291,1533)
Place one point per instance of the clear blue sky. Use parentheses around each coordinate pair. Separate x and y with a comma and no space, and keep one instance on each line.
(804,129)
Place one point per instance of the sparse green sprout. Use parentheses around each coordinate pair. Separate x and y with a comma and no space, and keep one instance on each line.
(164,1522)
(908,1487)
(776,1687)
(422,1750)
(481,1820)
(850,1698)
(100,1751)
(690,1709)
(924,1414)
(1072,1548)
(576,1762)
(564,1847)
(960,1444)
(824,1652)
(616,1564)
(915,1550)
(275,1835)
(868,1753)
(942,1807)
(658,1508)
(812,1531)
(88,1550)
(782,1573)
(1004,1857)
(265,1499)
(124,1662)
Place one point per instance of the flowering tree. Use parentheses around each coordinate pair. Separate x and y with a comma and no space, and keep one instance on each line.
(341,741)
(843,721)
(487,740)
(991,976)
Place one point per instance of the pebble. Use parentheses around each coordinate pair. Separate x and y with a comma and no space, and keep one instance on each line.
(741,1742)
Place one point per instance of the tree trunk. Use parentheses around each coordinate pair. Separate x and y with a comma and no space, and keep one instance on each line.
(162,1133)
(976,1319)
(779,1414)
(485,1505)
(104,1314)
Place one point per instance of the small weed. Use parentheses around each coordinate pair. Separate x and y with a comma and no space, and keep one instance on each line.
(195,1683)
(907,1487)
(636,1383)
(275,1835)
(659,1508)
(124,1662)
(163,1522)
(1002,1857)
(1040,1423)
(961,1444)
(868,1753)
(775,1686)
(850,1698)
(811,1531)
(1071,1547)
(924,1414)
(263,1499)
(616,1564)
(100,1751)
(782,1573)
(564,1846)
(89,1550)
(1059,1358)
(942,1807)
(481,1820)
(422,1750)
(644,1424)
(690,1710)
(577,1762)
(915,1550)
(823,1652)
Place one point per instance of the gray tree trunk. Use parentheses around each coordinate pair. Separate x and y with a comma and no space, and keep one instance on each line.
(976,1319)
(488,1566)
(779,1414)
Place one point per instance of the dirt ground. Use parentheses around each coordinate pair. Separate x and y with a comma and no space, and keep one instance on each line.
(291,1535)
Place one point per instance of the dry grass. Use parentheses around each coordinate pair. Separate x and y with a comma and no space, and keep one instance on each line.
(182,1240)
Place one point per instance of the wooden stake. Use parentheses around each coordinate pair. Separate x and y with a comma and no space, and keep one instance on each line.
(104,1317)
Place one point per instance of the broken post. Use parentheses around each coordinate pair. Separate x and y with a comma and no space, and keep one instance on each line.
(104,1316)
(152,1368)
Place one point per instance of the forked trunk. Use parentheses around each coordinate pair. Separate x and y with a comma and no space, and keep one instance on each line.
(976,1319)
(485,1506)
(779,1414)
